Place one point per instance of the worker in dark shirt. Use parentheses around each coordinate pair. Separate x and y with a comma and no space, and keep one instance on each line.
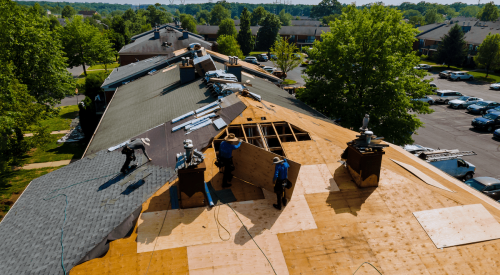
(226,148)
(128,151)
(280,180)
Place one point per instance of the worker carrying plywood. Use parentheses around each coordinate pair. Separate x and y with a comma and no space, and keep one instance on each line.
(128,151)
(225,158)
(280,180)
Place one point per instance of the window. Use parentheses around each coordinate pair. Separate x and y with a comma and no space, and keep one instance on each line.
(268,135)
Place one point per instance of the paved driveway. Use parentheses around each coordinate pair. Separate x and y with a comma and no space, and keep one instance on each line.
(295,74)
(448,128)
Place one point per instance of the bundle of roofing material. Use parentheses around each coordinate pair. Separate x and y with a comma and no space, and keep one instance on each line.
(204,64)
(193,122)
(182,117)
(201,124)
(207,111)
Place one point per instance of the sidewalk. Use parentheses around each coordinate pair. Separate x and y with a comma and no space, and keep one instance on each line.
(46,164)
(53,133)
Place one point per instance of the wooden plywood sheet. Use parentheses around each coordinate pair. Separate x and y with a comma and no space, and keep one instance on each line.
(232,258)
(422,176)
(316,179)
(255,165)
(303,152)
(260,216)
(459,225)
(182,227)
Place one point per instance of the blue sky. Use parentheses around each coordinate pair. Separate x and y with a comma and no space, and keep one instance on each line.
(309,2)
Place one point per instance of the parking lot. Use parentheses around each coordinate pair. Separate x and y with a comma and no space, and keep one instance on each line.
(448,128)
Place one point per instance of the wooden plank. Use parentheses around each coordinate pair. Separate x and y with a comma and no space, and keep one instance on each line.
(422,176)
(244,134)
(316,179)
(291,129)
(255,165)
(459,225)
(303,152)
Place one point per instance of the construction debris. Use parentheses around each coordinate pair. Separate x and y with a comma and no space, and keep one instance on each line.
(76,134)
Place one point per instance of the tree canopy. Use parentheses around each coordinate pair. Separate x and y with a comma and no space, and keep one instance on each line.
(470,11)
(326,7)
(35,53)
(218,14)
(354,75)
(268,32)
(85,44)
(452,50)
(229,46)
(245,37)
(258,16)
(68,12)
(188,23)
(432,16)
(227,27)
(285,60)
(488,13)
(488,54)
(285,18)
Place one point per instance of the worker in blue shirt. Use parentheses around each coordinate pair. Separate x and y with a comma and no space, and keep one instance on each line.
(280,180)
(225,158)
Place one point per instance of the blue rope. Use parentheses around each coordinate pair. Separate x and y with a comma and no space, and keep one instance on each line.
(65,208)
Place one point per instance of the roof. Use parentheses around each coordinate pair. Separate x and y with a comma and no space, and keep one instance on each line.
(147,109)
(329,226)
(147,44)
(478,33)
(294,22)
(285,30)
(140,68)
(98,201)
(87,12)
(429,27)
(169,25)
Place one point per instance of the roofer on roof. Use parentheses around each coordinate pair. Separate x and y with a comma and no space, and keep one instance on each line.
(280,180)
(225,158)
(128,150)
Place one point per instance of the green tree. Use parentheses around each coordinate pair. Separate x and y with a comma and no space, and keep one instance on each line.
(258,15)
(488,54)
(354,75)
(432,16)
(38,9)
(117,40)
(452,49)
(285,60)
(19,113)
(488,13)
(35,52)
(227,27)
(285,18)
(329,18)
(229,46)
(204,14)
(84,43)
(417,20)
(218,14)
(118,25)
(469,11)
(326,7)
(188,23)
(268,33)
(407,14)
(68,12)
(245,37)
(54,23)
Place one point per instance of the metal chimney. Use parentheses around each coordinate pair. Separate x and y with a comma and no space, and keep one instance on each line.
(235,60)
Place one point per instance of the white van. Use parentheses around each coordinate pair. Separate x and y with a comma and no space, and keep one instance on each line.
(444,96)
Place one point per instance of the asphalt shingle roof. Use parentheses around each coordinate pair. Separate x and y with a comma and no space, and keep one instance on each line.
(31,231)
(285,30)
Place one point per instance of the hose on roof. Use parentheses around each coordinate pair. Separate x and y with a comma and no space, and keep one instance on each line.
(65,208)
(366,263)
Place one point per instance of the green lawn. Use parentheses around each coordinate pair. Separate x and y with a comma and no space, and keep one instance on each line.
(93,72)
(256,53)
(13,183)
(55,152)
(427,61)
(101,66)
(288,82)
(62,120)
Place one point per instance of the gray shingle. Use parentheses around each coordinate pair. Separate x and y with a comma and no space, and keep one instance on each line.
(31,231)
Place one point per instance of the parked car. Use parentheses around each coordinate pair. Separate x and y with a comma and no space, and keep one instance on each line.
(297,56)
(251,59)
(496,134)
(272,57)
(486,185)
(482,106)
(456,167)
(494,110)
(495,86)
(427,99)
(463,102)
(488,122)
(445,74)
(461,76)
(262,57)
(444,96)
(423,67)
(269,69)
(432,84)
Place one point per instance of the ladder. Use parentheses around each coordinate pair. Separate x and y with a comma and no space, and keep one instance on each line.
(444,155)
